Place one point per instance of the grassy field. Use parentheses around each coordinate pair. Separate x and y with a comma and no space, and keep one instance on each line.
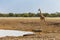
(49,30)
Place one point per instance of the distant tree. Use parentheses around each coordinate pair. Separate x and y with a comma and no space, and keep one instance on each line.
(17,15)
(53,15)
(1,15)
(46,14)
(11,14)
(25,15)
(5,15)
(37,15)
(31,14)
(58,14)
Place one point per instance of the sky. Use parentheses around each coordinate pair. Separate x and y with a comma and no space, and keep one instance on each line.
(21,6)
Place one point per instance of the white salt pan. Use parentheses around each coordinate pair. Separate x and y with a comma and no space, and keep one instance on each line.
(16,33)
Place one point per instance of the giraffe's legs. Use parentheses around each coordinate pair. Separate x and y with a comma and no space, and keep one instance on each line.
(43,21)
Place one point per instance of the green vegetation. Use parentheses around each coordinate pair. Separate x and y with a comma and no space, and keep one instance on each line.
(57,14)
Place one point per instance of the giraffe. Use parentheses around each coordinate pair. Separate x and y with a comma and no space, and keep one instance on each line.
(42,18)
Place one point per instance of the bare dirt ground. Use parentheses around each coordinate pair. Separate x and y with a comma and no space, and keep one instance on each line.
(50,30)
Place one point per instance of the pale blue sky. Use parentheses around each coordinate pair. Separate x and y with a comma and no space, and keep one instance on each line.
(20,6)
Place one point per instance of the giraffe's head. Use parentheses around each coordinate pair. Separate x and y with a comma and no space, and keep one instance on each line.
(39,10)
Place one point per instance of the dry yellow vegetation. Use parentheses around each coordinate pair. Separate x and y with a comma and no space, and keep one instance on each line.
(52,28)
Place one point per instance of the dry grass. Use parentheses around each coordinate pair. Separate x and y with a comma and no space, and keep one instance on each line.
(52,27)
(28,24)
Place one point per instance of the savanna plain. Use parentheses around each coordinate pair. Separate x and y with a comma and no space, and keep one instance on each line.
(50,29)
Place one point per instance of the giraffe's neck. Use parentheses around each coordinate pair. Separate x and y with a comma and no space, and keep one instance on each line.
(41,15)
